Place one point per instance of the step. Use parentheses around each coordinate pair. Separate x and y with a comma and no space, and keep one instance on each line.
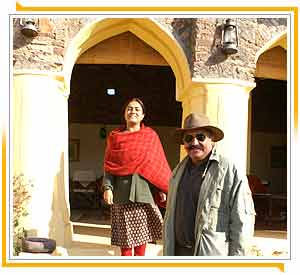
(102,230)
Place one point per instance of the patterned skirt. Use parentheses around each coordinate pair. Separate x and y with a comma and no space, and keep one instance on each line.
(135,224)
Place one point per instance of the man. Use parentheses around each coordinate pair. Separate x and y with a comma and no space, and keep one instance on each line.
(210,210)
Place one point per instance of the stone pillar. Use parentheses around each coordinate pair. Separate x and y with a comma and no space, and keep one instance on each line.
(226,104)
(40,152)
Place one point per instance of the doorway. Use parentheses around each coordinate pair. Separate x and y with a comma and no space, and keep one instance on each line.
(268,160)
(98,93)
(269,139)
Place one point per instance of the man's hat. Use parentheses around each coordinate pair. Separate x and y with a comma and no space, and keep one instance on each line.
(197,122)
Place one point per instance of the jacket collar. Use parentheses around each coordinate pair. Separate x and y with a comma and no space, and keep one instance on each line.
(214,155)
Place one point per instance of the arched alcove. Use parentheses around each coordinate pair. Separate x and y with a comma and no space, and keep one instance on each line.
(271,59)
(268,138)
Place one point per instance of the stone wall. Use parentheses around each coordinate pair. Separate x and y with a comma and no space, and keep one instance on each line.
(47,50)
(209,60)
(183,31)
(200,39)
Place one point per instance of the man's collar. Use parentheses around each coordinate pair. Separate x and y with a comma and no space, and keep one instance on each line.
(214,155)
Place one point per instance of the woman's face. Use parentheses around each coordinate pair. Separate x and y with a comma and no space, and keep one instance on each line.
(134,113)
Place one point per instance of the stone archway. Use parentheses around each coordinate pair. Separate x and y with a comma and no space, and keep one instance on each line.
(145,29)
(271,60)
(271,63)
(268,129)
(280,40)
(263,61)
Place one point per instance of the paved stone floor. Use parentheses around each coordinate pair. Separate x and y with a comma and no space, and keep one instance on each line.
(92,237)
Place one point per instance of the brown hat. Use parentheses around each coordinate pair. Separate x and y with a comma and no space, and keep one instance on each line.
(197,122)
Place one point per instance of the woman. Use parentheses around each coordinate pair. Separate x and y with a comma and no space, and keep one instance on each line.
(135,169)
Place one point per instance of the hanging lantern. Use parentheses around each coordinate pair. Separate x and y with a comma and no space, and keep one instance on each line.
(229,37)
(29,29)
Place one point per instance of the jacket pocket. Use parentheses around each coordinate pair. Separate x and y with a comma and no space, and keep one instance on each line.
(217,219)
(217,197)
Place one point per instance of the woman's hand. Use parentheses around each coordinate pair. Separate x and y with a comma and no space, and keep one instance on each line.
(160,199)
(108,196)
(162,196)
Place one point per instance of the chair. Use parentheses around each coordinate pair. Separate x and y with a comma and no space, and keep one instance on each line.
(83,190)
(256,185)
(261,197)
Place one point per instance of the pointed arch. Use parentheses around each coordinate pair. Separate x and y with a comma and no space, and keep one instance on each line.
(144,28)
(271,59)
(279,40)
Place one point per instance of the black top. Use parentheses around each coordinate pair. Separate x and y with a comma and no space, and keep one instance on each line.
(186,203)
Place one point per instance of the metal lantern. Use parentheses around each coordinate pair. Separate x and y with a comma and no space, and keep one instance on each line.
(29,28)
(229,37)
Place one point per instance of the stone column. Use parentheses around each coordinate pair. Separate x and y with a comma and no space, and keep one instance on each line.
(226,104)
(40,152)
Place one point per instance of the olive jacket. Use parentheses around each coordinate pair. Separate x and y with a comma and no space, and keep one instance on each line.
(225,217)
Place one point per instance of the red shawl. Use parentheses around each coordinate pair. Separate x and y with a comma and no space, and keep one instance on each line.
(137,152)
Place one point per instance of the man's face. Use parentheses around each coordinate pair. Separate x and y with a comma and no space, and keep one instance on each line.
(198,145)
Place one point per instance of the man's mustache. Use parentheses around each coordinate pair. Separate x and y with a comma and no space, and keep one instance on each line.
(198,146)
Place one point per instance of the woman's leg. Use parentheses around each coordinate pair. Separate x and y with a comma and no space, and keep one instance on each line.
(140,250)
(126,251)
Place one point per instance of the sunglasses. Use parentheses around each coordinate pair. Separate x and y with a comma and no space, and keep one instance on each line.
(189,138)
